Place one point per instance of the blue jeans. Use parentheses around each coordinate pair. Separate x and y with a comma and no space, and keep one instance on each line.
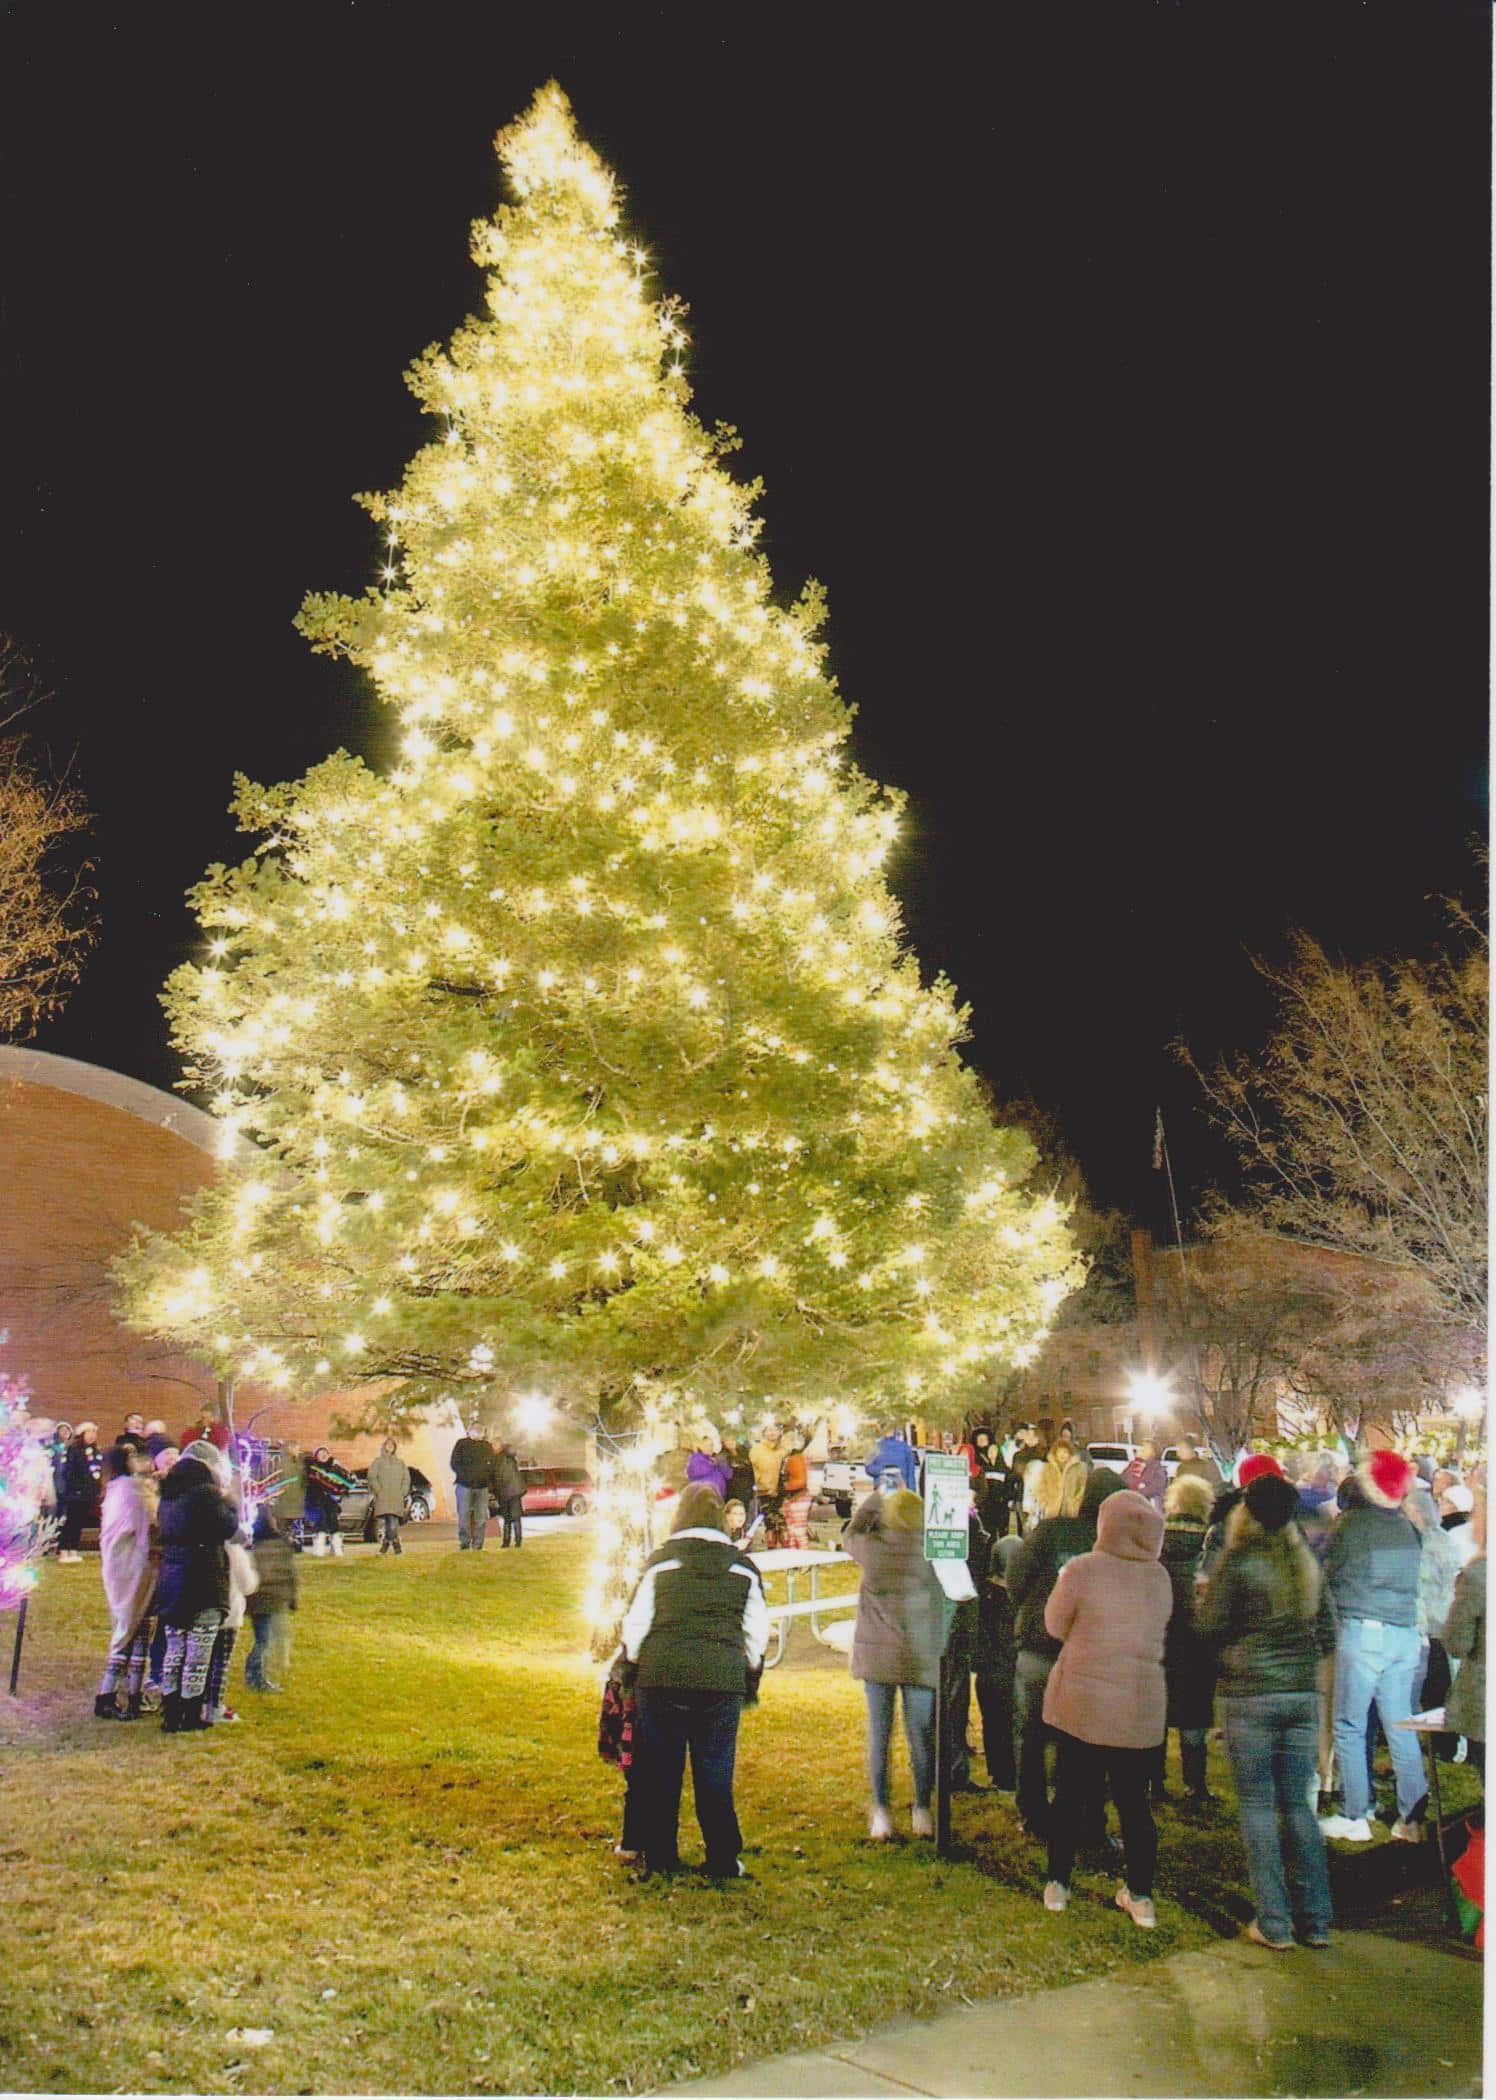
(389,1533)
(666,1725)
(472,1517)
(919,1727)
(1272,1739)
(269,1650)
(1376,1662)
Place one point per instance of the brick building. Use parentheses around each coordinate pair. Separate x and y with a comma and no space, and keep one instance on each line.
(86,1155)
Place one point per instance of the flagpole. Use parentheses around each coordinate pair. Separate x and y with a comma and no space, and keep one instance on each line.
(1161,1158)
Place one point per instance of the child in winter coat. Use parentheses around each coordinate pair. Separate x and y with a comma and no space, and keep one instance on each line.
(270,1607)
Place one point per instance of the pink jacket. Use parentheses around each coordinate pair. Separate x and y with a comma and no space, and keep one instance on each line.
(1110,1608)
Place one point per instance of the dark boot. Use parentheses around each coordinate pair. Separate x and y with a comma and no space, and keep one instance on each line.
(105,1708)
(132,1707)
(1192,1758)
(171,1713)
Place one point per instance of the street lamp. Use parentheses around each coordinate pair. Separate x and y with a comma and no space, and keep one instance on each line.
(1470,1403)
(533,1413)
(1149,1393)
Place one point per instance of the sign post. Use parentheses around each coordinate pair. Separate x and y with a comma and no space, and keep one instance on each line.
(947,1501)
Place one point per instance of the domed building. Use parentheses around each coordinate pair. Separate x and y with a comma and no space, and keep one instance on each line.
(86,1156)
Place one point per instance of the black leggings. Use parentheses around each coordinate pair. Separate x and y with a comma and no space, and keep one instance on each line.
(1085,1771)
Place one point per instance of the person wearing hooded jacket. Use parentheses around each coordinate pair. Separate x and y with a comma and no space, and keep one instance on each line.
(1267,1611)
(196,1522)
(1032,1573)
(388,1480)
(1464,1636)
(129,1581)
(1106,1698)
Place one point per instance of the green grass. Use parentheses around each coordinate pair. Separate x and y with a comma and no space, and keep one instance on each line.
(403,1866)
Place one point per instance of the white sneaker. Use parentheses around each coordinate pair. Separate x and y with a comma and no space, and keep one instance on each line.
(879,1824)
(1352,1830)
(1408,1833)
(69,1557)
(1056,1895)
(1138,1908)
(922,1823)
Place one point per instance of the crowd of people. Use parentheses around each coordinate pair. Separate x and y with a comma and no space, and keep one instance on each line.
(1301,1610)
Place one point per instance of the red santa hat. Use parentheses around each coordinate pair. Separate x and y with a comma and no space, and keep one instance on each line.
(1386,1477)
(1254,1467)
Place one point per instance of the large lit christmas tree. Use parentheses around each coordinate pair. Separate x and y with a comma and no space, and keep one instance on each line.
(579,1043)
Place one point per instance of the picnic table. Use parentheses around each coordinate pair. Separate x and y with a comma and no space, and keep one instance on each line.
(793,1562)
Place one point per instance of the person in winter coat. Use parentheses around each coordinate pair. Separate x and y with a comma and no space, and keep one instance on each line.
(1189,1660)
(196,1523)
(997,1657)
(129,1581)
(1267,1611)
(1372,1569)
(81,1471)
(892,1454)
(321,1498)
(962,1647)
(509,1488)
(697,1629)
(1032,1574)
(741,1484)
(1438,1565)
(1195,1464)
(473,1475)
(274,1599)
(1251,1467)
(897,1643)
(1106,1698)
(1464,1638)
(389,1484)
(242,1583)
(794,1507)
(707,1463)
(1147,1475)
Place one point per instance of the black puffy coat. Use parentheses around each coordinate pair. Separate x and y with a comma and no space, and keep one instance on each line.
(195,1521)
(1265,1645)
(1189,1659)
(1035,1568)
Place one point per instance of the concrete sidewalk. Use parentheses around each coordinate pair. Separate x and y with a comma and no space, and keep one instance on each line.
(1370,2015)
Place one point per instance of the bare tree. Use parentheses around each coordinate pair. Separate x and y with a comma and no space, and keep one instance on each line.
(1246,1319)
(1361,1127)
(46,917)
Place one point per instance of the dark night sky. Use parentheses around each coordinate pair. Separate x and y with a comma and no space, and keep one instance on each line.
(1121,369)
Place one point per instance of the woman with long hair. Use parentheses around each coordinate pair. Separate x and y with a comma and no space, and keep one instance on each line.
(897,1643)
(1267,1612)
(129,1580)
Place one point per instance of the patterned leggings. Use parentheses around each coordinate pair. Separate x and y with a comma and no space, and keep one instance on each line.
(127,1661)
(189,1653)
(218,1667)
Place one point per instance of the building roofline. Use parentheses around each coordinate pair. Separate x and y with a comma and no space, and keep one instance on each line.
(133,1097)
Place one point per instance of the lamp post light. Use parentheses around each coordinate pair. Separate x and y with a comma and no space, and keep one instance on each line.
(1470,1406)
(1150,1393)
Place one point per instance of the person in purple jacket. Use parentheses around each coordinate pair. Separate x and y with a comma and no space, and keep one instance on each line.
(707,1463)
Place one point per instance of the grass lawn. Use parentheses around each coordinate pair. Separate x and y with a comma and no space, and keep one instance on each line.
(403,1866)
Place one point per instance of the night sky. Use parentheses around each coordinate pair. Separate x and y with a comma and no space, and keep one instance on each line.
(1121,369)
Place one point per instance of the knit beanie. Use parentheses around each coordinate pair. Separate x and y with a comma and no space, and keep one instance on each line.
(1272,1500)
(1260,1463)
(1386,1476)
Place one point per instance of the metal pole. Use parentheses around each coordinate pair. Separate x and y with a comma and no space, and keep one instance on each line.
(942,1767)
(15,1659)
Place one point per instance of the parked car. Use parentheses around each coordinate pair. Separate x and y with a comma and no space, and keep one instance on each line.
(840,1484)
(1115,1457)
(552,1491)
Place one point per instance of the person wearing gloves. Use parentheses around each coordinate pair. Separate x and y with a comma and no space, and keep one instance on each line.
(1267,1612)
(1372,1567)
(898,1639)
(697,1629)
(389,1484)
(1106,1698)
(129,1581)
